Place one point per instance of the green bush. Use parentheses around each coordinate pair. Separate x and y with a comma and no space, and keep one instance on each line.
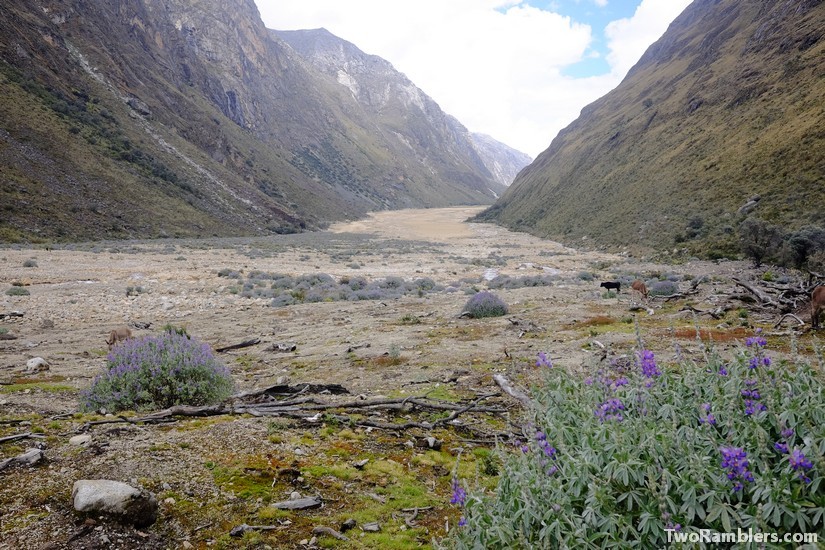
(156,372)
(485,304)
(620,459)
(17,291)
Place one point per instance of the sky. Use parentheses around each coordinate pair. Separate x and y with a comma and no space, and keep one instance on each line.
(516,70)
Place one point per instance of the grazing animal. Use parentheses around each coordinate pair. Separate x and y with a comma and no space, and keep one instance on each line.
(817,305)
(120,334)
(612,284)
(639,286)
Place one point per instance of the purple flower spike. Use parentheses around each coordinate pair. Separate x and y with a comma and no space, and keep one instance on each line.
(544,361)
(459,494)
(735,461)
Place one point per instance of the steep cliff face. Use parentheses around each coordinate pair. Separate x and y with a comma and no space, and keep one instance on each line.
(149,118)
(402,112)
(728,104)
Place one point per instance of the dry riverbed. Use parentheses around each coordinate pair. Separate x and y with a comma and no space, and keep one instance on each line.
(212,474)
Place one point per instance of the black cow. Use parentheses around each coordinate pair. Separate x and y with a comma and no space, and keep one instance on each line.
(612,285)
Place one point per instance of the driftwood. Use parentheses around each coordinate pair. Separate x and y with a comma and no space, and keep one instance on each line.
(798,320)
(324,530)
(11,314)
(244,344)
(763,298)
(285,389)
(311,409)
(510,390)
(15,437)
(29,458)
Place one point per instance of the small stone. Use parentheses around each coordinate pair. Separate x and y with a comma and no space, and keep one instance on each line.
(80,440)
(294,495)
(169,501)
(187,545)
(348,524)
(372,527)
(166,486)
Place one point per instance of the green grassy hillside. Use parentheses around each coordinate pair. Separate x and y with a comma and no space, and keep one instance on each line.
(727,105)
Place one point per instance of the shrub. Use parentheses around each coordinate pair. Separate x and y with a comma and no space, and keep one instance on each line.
(485,304)
(156,372)
(30,263)
(17,291)
(636,451)
(663,288)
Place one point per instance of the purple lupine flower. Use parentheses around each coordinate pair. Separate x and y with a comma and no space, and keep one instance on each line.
(648,362)
(610,410)
(723,371)
(543,361)
(787,433)
(756,341)
(462,522)
(800,464)
(707,417)
(781,447)
(459,494)
(735,461)
(619,382)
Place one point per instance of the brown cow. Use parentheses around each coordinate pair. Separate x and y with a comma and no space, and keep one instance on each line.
(120,334)
(639,286)
(817,305)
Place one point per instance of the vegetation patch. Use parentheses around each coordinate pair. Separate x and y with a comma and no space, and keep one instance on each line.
(633,454)
(156,372)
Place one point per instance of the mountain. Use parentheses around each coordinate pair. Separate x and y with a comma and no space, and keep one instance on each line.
(402,110)
(728,106)
(149,118)
(502,160)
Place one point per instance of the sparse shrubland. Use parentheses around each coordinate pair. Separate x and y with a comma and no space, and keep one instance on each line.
(639,449)
(762,242)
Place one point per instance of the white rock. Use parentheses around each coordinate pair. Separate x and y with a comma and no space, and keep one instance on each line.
(80,440)
(36,364)
(114,498)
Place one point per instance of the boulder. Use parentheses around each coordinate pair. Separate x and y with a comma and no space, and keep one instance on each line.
(36,364)
(137,507)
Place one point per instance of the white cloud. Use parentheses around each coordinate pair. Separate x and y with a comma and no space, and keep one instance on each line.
(629,38)
(496,65)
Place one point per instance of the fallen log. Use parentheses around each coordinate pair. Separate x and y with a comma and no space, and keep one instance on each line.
(29,458)
(11,314)
(324,530)
(244,344)
(763,298)
(508,388)
(798,320)
(15,437)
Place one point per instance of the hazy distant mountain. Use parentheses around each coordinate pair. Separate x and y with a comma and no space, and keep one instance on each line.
(502,160)
(150,118)
(727,105)
(402,111)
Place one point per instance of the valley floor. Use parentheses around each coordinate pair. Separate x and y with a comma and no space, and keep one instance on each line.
(212,474)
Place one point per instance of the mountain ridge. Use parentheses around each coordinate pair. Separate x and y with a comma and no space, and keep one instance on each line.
(726,106)
(158,118)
